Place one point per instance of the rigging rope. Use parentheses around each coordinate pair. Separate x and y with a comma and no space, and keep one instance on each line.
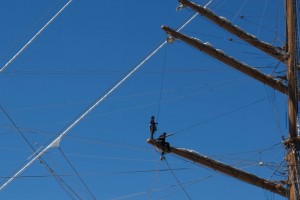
(276,23)
(272,100)
(84,184)
(189,183)
(262,18)
(177,180)
(240,10)
(91,107)
(116,71)
(161,84)
(42,161)
(220,115)
(17,128)
(31,28)
(156,177)
(72,194)
(261,27)
(74,122)
(35,36)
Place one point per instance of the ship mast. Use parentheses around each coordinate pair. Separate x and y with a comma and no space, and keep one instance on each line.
(293,141)
(289,188)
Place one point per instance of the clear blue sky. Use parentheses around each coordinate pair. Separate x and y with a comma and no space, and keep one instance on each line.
(211,108)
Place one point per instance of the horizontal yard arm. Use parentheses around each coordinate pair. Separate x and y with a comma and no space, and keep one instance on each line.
(230,61)
(235,30)
(223,168)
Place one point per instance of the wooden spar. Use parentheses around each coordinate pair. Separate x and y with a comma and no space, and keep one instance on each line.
(292,191)
(291,68)
(244,68)
(228,26)
(223,168)
(293,144)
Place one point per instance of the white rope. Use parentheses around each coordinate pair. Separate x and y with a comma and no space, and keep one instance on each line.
(34,37)
(57,140)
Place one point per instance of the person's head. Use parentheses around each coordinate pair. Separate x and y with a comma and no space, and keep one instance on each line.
(164,133)
(152,117)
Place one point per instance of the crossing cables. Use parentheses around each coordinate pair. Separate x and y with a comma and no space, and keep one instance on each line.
(56,141)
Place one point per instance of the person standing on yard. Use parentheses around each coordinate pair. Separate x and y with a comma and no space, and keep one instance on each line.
(152,126)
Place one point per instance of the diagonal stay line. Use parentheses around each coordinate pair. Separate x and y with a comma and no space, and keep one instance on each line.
(34,37)
(57,140)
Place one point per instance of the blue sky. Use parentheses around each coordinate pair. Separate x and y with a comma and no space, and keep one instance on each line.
(89,47)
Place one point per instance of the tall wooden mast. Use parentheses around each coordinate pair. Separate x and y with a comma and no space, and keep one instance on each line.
(288,188)
(293,141)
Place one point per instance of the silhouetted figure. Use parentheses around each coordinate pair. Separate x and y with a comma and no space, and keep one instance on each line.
(162,140)
(152,127)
